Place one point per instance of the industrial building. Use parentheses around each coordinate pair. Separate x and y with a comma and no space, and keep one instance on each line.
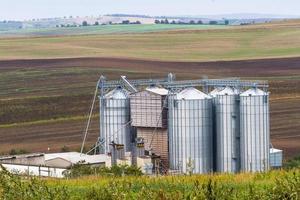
(187,126)
(50,164)
(171,126)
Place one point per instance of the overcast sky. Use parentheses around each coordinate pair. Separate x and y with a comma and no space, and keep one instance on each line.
(28,9)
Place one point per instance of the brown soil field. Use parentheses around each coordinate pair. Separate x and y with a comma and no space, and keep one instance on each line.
(55,89)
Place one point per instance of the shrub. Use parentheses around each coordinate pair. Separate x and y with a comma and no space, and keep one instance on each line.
(17,151)
(81,169)
(14,187)
(292,163)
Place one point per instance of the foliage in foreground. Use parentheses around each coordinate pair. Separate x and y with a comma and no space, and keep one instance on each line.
(292,163)
(117,170)
(14,187)
(270,185)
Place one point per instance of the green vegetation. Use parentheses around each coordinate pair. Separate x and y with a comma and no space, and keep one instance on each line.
(17,151)
(292,163)
(264,186)
(104,29)
(184,43)
(14,187)
(80,169)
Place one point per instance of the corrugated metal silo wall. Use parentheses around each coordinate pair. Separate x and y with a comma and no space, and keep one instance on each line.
(114,115)
(255,133)
(227,133)
(190,135)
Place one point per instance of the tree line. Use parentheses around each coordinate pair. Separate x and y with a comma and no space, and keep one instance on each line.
(192,22)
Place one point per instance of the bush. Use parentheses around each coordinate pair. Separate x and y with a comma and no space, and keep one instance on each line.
(65,149)
(273,185)
(292,163)
(286,187)
(14,187)
(213,22)
(17,151)
(84,23)
(157,21)
(81,169)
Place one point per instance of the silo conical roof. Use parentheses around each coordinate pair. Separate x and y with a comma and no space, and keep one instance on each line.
(228,91)
(192,94)
(215,91)
(117,93)
(254,92)
(158,90)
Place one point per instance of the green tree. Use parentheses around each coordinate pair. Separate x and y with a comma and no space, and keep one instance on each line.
(84,23)
(65,149)
(125,22)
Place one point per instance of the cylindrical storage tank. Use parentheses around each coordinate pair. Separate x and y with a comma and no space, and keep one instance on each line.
(115,119)
(254,130)
(227,130)
(190,131)
(213,95)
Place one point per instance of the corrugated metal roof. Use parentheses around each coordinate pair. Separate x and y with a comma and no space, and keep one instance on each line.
(273,150)
(214,92)
(254,92)
(157,90)
(117,93)
(228,91)
(22,156)
(192,94)
(75,157)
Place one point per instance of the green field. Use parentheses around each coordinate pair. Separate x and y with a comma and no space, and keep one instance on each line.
(237,43)
(272,185)
(106,29)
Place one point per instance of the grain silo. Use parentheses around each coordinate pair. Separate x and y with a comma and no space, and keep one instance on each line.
(190,131)
(115,119)
(149,116)
(254,130)
(215,91)
(213,95)
(227,130)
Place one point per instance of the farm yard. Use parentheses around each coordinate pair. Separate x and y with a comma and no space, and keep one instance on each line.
(44,102)
(47,82)
(149,100)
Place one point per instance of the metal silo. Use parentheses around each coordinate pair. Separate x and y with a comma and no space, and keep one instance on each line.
(190,131)
(215,91)
(115,119)
(227,130)
(254,130)
(213,95)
